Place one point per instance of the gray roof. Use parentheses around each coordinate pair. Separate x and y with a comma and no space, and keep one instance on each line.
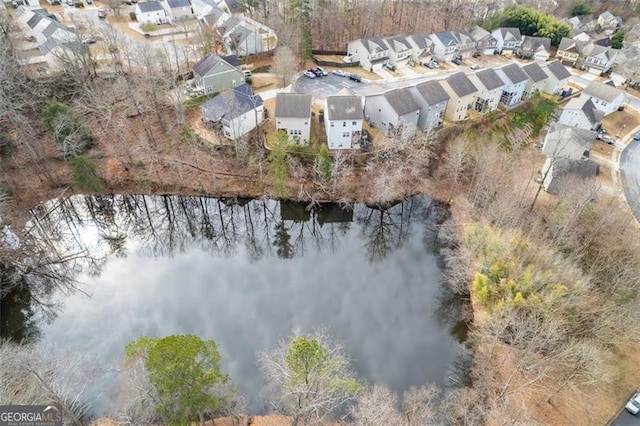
(514,32)
(233,5)
(231,104)
(206,64)
(560,136)
(514,73)
(432,92)
(178,3)
(374,44)
(421,40)
(398,43)
(212,18)
(461,84)
(601,91)
(569,44)
(478,33)
(567,167)
(558,70)
(344,108)
(150,6)
(534,43)
(33,21)
(401,101)
(593,114)
(535,72)
(490,79)
(447,38)
(293,105)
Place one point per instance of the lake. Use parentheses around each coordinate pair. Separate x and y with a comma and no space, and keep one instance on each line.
(247,273)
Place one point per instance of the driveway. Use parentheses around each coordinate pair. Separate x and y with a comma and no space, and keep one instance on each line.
(625,418)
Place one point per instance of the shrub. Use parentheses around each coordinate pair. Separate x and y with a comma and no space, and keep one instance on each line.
(72,137)
(85,176)
(132,16)
(6,143)
(78,4)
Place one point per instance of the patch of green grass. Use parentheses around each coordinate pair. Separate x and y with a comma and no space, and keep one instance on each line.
(199,100)
(261,69)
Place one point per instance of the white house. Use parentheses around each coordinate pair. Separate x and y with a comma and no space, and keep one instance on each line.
(151,12)
(395,113)
(599,59)
(177,10)
(608,20)
(581,113)
(606,98)
(234,113)
(515,81)
(243,36)
(461,93)
(445,45)
(536,48)
(490,87)
(400,50)
(372,52)
(507,39)
(558,77)
(486,43)
(422,48)
(433,103)
(586,23)
(561,173)
(466,43)
(567,142)
(570,50)
(536,79)
(343,121)
(293,116)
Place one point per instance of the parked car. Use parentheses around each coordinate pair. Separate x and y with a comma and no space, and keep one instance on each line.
(636,137)
(323,71)
(247,73)
(89,1)
(316,71)
(608,139)
(309,74)
(355,78)
(69,2)
(633,406)
(339,73)
(102,14)
(475,67)
(89,41)
(457,61)
(433,64)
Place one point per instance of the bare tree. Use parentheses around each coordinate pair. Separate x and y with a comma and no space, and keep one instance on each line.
(376,406)
(284,65)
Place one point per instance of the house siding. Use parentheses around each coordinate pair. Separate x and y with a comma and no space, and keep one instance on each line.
(240,126)
(340,133)
(298,129)
(220,78)
(575,118)
(604,106)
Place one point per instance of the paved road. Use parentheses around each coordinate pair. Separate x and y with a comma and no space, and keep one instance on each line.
(625,418)
(630,174)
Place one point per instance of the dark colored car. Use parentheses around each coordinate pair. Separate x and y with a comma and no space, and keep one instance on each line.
(355,77)
(317,72)
(457,61)
(636,137)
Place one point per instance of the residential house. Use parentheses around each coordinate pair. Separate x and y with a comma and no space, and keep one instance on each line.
(564,172)
(608,20)
(243,36)
(570,50)
(235,112)
(536,48)
(466,44)
(395,113)
(558,77)
(343,118)
(490,87)
(422,48)
(433,103)
(581,36)
(486,43)
(606,98)
(400,50)
(586,23)
(214,74)
(293,116)
(581,113)
(208,15)
(515,81)
(151,12)
(234,7)
(599,59)
(46,44)
(563,141)
(177,10)
(461,93)
(536,79)
(605,41)
(445,45)
(372,52)
(507,39)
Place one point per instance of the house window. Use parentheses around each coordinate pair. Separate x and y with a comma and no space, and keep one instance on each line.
(344,124)
(346,134)
(353,123)
(331,124)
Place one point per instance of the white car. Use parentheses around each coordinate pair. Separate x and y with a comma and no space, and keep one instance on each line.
(309,74)
(323,71)
(633,406)
(339,73)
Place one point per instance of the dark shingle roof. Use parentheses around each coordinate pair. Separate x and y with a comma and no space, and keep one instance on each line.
(447,38)
(178,3)
(33,21)
(534,43)
(232,60)
(558,70)
(514,73)
(461,84)
(514,32)
(231,103)
(206,64)
(150,6)
(490,79)
(432,92)
(421,40)
(401,101)
(567,167)
(344,108)
(535,72)
(293,105)
(397,43)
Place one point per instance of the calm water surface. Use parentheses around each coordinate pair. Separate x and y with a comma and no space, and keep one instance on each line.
(247,274)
